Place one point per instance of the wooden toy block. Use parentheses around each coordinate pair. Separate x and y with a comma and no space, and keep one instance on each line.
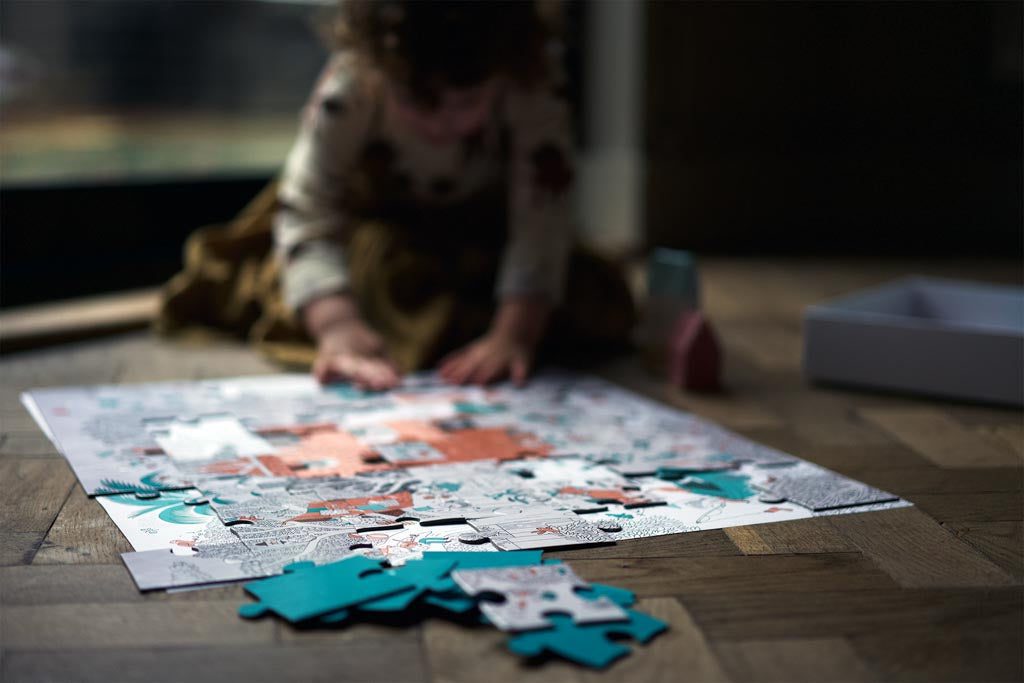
(695,358)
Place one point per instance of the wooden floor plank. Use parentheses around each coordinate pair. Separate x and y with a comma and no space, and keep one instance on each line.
(27,444)
(770,344)
(34,490)
(82,534)
(908,482)
(815,535)
(456,655)
(710,543)
(917,552)
(147,624)
(940,438)
(854,461)
(68,584)
(793,661)
(732,575)
(358,662)
(19,547)
(61,584)
(768,614)
(1001,542)
(683,648)
(942,654)
(1006,436)
(825,418)
(998,506)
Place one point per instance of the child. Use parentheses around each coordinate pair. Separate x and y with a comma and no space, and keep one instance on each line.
(425,207)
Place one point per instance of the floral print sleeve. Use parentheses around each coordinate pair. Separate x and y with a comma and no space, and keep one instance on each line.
(309,224)
(540,177)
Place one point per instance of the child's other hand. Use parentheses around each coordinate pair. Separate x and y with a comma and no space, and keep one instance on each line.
(351,351)
(506,351)
(491,358)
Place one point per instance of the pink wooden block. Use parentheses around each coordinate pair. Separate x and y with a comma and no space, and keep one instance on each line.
(695,360)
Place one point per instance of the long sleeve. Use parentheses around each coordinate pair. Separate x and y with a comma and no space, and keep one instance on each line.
(308,227)
(540,176)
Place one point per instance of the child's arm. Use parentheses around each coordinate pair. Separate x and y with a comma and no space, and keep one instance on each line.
(533,269)
(309,226)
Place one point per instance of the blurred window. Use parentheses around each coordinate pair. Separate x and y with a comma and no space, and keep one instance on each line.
(116,91)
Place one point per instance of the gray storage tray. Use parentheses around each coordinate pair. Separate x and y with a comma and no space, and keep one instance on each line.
(926,335)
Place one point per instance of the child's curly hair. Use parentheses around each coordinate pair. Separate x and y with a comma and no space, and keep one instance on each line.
(428,45)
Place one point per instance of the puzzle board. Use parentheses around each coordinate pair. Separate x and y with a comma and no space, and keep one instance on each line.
(239,477)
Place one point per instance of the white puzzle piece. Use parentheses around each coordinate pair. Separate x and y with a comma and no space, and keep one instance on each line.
(529,594)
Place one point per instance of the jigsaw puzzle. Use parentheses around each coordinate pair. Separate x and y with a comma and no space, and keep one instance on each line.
(241,477)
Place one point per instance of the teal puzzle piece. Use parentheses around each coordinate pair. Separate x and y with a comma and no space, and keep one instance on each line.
(431,579)
(425,576)
(306,591)
(587,644)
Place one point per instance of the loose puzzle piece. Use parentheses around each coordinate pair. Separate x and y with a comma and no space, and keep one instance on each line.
(433,582)
(588,644)
(306,591)
(448,596)
(531,594)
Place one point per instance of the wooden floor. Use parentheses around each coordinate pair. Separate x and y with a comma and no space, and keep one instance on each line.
(928,593)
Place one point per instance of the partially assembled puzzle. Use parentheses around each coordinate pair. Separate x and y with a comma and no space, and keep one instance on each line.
(354,505)
(217,481)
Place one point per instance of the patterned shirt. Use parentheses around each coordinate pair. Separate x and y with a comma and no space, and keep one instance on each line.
(353,154)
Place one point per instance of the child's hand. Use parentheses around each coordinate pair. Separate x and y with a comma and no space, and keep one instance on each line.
(507,350)
(353,352)
(493,357)
(347,349)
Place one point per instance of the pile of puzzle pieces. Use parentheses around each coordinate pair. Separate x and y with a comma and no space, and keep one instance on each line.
(546,607)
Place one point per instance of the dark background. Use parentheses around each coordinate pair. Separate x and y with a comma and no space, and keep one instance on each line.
(874,128)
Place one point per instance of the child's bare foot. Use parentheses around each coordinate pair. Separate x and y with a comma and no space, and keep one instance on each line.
(351,351)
